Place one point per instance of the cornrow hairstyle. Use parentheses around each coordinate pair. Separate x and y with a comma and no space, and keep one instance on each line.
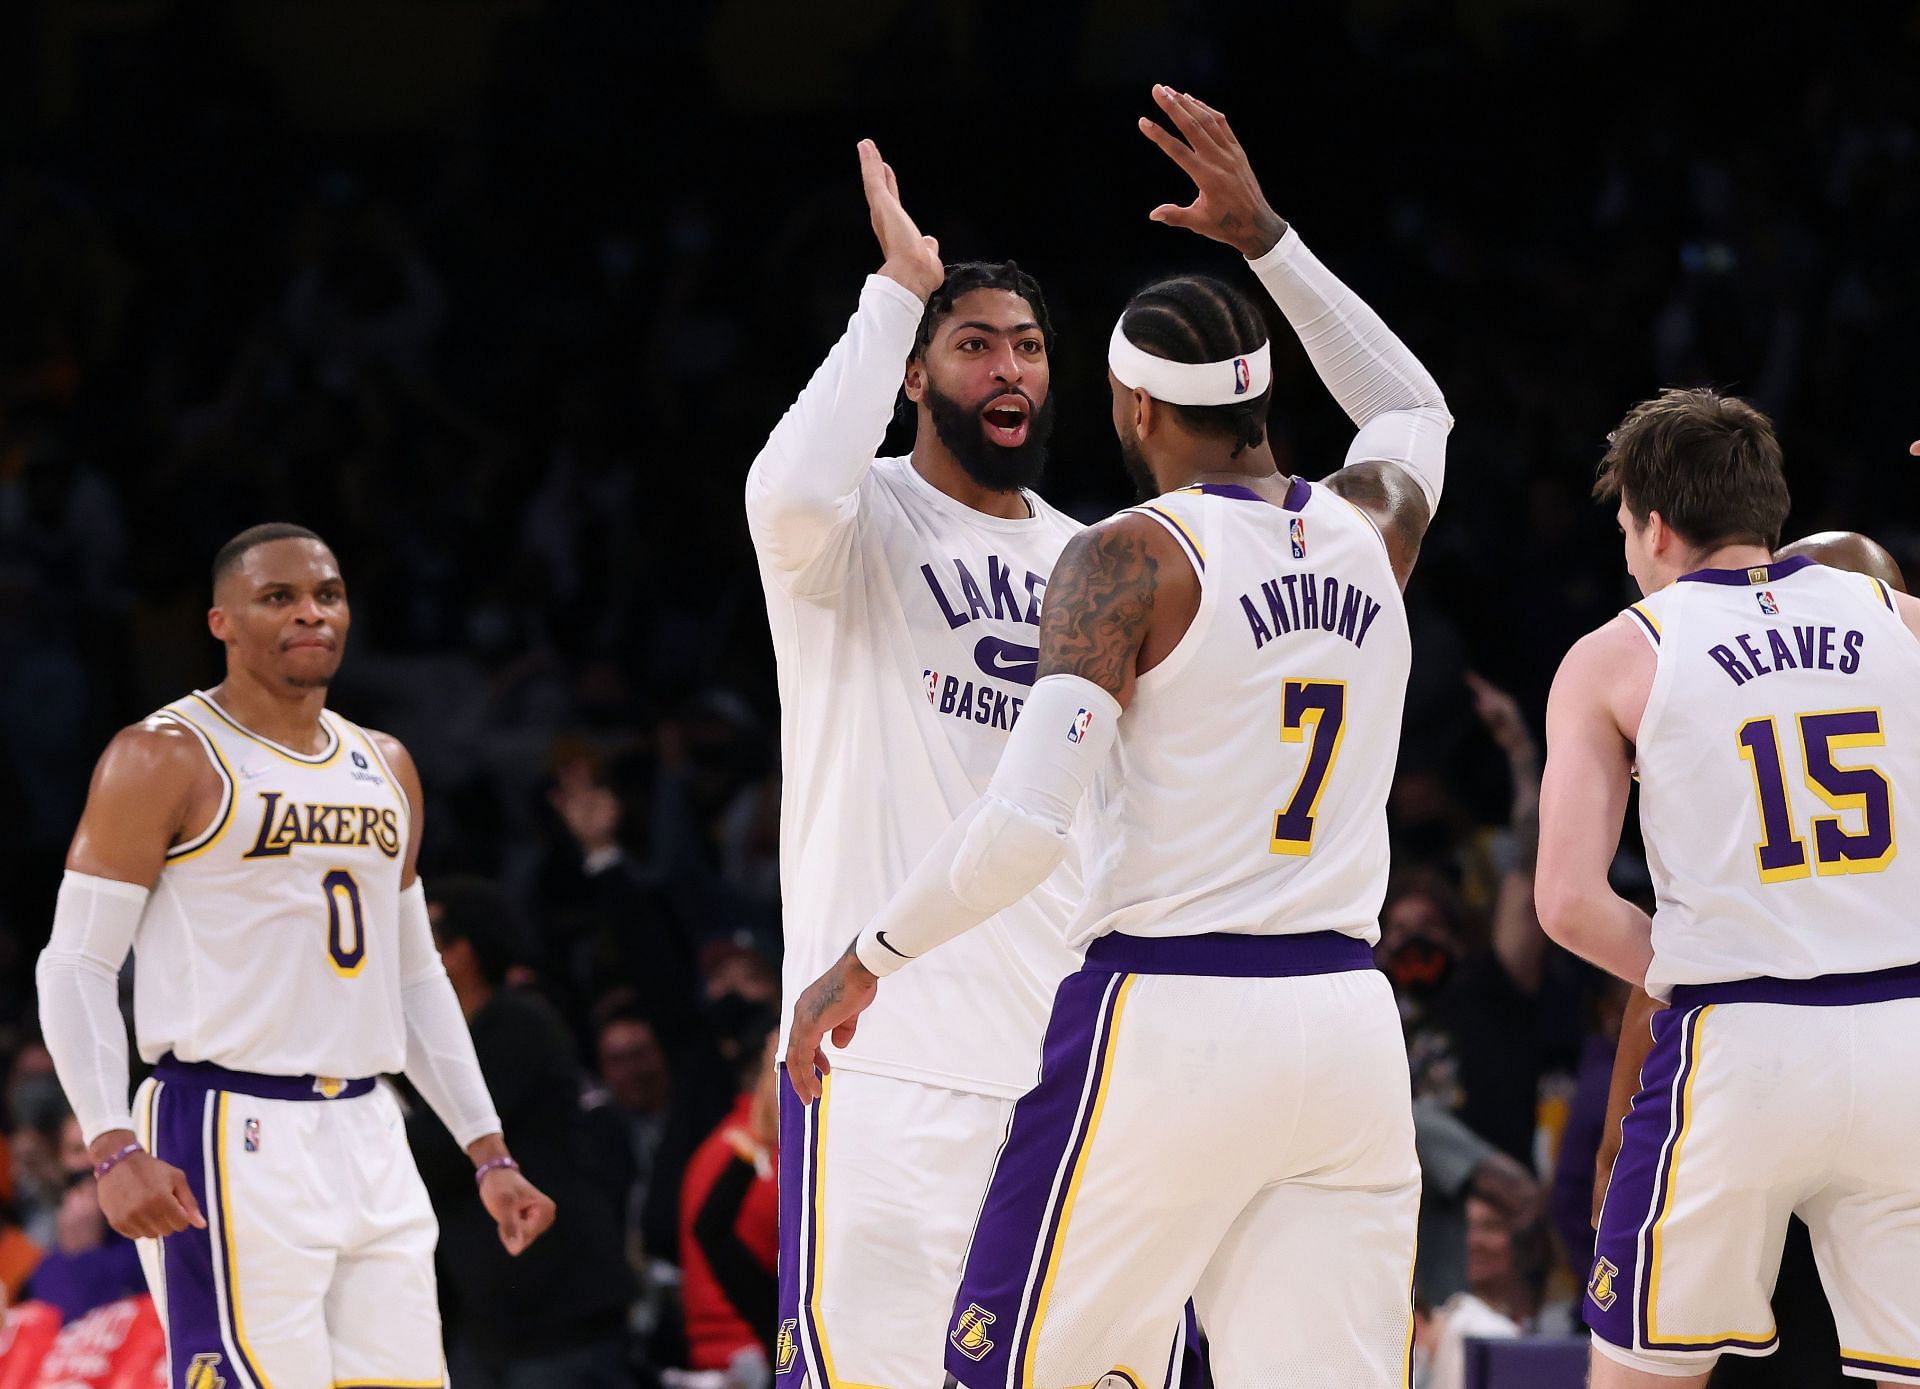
(1196,318)
(263,534)
(969,275)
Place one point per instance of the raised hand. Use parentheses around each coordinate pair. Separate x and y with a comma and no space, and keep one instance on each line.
(910,258)
(1228,205)
(1500,712)
(833,1004)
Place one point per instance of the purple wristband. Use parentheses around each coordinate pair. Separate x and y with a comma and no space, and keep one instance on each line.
(100,1169)
(490,1165)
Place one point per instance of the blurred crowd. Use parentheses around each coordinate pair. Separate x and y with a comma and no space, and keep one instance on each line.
(512,344)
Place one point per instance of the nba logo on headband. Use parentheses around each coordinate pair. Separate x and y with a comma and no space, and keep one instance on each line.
(1242,378)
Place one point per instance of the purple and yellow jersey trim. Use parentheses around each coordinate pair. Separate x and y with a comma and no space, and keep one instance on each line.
(1639,612)
(1886,594)
(212,834)
(286,754)
(1179,530)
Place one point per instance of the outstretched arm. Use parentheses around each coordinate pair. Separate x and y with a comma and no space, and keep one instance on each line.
(803,489)
(1396,462)
(1100,606)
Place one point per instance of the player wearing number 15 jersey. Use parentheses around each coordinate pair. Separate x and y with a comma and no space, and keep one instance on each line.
(1223,1105)
(1768,711)
(256,852)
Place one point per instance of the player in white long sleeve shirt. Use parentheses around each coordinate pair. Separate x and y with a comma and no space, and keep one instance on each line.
(257,854)
(1223,1108)
(904,598)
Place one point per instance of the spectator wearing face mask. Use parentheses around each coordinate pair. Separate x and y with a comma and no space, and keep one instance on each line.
(1468,999)
(88,1264)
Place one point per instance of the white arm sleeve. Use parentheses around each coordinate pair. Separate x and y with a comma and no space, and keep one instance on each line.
(94,923)
(1381,385)
(440,1059)
(803,489)
(1010,840)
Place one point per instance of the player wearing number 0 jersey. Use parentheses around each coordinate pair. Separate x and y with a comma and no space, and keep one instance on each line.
(1223,1106)
(1767,709)
(256,852)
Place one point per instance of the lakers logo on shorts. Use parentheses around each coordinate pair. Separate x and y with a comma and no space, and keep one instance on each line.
(783,1345)
(970,1332)
(329,1086)
(1600,1286)
(204,1372)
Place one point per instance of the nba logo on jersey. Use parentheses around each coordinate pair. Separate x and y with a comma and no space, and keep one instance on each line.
(1297,533)
(1242,377)
(933,687)
(1768,607)
(251,1141)
(1082,721)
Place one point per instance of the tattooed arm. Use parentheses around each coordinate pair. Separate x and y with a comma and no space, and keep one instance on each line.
(1117,595)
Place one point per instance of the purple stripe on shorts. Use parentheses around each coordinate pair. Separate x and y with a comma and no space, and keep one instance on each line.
(1823,990)
(192,1311)
(1021,1213)
(1231,956)
(1638,1174)
(204,1075)
(796,1339)
(1885,1369)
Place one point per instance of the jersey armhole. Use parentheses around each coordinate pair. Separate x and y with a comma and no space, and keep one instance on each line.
(1645,623)
(1372,524)
(187,848)
(1189,542)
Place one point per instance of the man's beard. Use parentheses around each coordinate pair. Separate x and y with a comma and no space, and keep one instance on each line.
(994,466)
(1135,463)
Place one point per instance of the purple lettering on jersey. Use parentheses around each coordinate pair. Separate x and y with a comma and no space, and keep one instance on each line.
(1850,652)
(1261,636)
(954,619)
(1000,584)
(1276,609)
(1730,663)
(1309,601)
(1754,658)
(1777,648)
(970,590)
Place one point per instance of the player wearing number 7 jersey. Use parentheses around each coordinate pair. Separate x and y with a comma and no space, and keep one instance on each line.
(257,853)
(1223,1106)
(1767,708)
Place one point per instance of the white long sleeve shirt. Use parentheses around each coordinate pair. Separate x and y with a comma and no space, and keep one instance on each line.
(906,627)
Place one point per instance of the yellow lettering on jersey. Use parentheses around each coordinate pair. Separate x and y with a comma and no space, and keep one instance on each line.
(283,828)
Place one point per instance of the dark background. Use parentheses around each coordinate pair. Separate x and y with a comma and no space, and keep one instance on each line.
(502,296)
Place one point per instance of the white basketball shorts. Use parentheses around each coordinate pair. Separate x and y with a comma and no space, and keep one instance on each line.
(315,1270)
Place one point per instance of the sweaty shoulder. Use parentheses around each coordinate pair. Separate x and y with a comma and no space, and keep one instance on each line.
(1393,501)
(158,753)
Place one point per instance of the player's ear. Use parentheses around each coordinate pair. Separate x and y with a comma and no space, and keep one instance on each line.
(916,381)
(218,624)
(1146,414)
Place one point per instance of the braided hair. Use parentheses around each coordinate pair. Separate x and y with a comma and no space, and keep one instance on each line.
(1196,318)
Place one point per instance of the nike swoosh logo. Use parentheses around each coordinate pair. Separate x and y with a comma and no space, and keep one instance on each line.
(1007,660)
(881,936)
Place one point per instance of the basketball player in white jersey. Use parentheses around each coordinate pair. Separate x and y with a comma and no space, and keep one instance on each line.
(1766,707)
(256,851)
(904,598)
(1223,1108)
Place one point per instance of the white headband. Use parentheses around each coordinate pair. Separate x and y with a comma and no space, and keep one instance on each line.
(1189,383)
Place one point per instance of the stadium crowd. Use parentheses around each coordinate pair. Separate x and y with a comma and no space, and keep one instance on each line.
(513,358)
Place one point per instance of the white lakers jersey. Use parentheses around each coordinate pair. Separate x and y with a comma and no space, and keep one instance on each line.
(270,941)
(1248,787)
(906,626)
(1778,758)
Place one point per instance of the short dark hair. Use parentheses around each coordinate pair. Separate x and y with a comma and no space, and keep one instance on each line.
(477,911)
(1196,318)
(263,534)
(1708,463)
(969,275)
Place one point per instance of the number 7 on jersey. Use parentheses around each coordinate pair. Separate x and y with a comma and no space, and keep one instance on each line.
(1315,709)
